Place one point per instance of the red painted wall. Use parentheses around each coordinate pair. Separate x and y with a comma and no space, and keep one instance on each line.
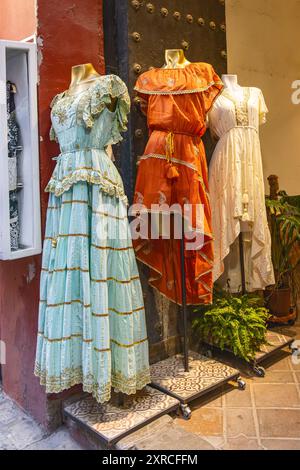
(17,19)
(69,33)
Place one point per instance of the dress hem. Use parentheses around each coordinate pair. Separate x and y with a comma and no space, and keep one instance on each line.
(160,275)
(142,380)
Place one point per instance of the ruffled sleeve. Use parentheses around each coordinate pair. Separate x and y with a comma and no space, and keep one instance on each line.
(143,97)
(52,133)
(263,110)
(213,87)
(101,96)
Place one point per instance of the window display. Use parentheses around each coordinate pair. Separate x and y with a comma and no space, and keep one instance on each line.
(92,321)
(173,170)
(237,187)
(20,230)
(155,288)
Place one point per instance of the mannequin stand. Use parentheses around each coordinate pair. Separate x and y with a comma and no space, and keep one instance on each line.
(190,375)
(274,341)
(242,261)
(121,416)
(183,303)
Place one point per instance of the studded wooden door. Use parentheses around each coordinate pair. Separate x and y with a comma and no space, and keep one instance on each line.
(137,32)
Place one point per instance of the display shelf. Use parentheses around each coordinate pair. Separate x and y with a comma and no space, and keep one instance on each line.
(18,64)
(111,422)
(204,375)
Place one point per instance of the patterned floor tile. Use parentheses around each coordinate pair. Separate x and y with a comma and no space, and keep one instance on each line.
(111,422)
(204,373)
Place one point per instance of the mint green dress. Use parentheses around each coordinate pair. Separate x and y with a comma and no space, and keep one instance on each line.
(92,326)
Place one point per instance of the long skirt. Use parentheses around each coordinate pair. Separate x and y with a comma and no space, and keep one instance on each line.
(92,327)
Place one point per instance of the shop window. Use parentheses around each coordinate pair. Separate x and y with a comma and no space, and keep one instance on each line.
(20,226)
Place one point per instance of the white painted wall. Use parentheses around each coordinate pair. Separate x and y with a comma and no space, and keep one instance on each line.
(264,50)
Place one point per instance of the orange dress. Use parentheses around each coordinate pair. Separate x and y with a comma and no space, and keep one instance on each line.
(173,170)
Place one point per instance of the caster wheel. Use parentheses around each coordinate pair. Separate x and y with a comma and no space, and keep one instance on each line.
(294,349)
(259,371)
(241,384)
(186,412)
(209,354)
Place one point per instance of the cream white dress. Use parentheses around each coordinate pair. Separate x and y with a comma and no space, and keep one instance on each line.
(237,191)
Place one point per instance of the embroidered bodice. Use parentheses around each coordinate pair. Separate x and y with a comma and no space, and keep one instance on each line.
(83,126)
(228,112)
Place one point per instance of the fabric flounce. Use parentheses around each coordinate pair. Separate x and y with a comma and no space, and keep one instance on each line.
(102,95)
(92,166)
(194,78)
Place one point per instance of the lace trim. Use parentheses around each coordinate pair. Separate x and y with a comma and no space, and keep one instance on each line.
(179,162)
(177,92)
(91,104)
(163,157)
(129,386)
(90,176)
(102,393)
(240,106)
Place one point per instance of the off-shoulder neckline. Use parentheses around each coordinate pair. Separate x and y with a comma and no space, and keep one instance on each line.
(180,68)
(97,80)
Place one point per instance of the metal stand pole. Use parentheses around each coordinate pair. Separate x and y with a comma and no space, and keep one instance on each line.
(242,261)
(183,301)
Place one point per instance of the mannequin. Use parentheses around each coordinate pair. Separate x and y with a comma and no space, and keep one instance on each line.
(82,76)
(231,83)
(175,59)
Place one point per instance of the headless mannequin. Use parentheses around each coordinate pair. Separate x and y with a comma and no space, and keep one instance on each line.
(175,59)
(231,84)
(82,77)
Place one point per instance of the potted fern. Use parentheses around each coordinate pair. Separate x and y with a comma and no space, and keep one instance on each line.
(235,323)
(284,221)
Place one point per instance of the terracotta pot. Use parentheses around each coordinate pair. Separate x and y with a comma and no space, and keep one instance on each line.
(279,301)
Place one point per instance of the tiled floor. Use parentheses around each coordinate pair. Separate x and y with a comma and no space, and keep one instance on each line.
(264,416)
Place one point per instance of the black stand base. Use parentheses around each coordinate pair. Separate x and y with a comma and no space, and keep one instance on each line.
(275,342)
(204,375)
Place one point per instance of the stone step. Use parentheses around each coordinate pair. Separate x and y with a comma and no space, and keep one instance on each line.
(163,434)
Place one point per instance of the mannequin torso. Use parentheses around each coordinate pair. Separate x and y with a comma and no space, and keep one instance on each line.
(231,84)
(82,77)
(175,59)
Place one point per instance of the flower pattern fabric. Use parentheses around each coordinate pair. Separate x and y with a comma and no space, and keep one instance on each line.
(92,326)
(13,151)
